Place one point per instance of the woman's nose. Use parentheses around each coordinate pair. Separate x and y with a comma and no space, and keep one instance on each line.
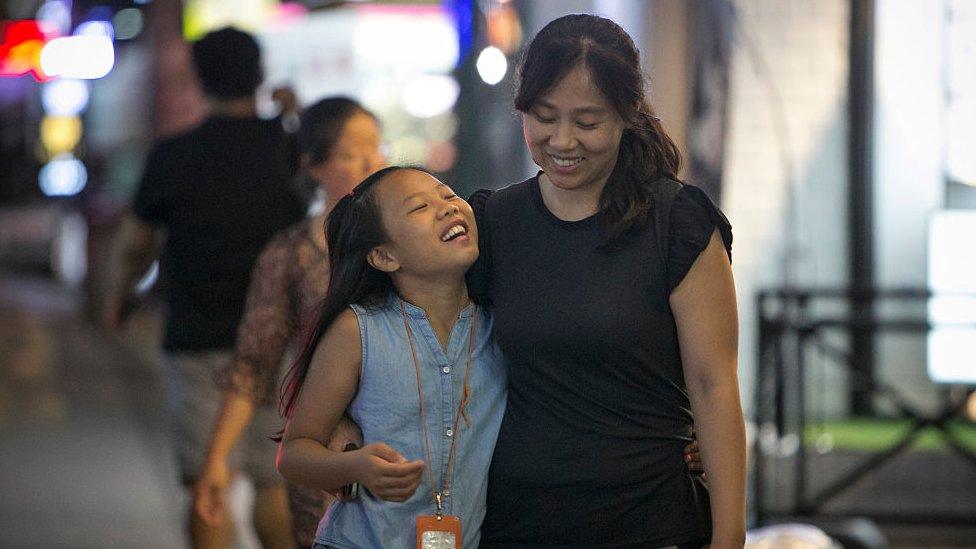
(563,137)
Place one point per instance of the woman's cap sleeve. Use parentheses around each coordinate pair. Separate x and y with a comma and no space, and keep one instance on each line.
(478,274)
(478,200)
(693,219)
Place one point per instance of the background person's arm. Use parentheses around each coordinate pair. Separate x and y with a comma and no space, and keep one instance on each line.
(269,322)
(210,492)
(705,313)
(138,245)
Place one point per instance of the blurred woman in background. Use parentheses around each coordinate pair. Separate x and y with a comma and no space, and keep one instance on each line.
(339,142)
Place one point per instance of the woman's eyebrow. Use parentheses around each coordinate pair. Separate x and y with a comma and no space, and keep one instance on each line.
(582,110)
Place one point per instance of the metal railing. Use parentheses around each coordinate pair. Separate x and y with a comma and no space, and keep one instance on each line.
(791,323)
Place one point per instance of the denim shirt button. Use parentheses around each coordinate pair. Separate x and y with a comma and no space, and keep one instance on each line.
(449,432)
(446,369)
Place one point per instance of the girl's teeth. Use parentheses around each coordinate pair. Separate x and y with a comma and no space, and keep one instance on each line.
(455,230)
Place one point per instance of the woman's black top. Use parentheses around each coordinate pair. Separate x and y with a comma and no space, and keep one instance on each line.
(590,451)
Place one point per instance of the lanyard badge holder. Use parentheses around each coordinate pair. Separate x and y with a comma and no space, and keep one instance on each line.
(440,531)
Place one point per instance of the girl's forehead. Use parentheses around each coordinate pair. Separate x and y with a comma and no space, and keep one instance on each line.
(404,183)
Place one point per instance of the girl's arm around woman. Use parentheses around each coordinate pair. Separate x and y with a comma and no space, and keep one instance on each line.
(330,385)
(705,313)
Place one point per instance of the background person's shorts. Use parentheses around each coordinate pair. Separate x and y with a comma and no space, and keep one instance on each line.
(194,401)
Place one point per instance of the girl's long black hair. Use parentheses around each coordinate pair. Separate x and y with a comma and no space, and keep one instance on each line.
(353,229)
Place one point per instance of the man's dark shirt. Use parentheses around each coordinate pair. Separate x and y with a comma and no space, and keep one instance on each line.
(221,191)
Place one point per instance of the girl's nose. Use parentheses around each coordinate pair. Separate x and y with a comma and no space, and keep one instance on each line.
(450,209)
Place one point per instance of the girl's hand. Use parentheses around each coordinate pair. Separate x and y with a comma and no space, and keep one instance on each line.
(387,474)
(210,493)
(694,462)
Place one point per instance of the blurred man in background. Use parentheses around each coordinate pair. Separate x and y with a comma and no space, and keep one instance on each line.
(208,202)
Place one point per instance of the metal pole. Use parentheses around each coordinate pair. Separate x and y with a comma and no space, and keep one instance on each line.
(861,202)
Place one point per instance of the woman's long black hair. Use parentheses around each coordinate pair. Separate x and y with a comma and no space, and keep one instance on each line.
(353,229)
(609,54)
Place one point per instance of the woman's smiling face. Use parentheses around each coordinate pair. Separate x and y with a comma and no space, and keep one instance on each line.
(573,133)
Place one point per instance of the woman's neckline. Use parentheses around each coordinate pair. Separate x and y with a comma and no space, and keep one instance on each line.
(535,186)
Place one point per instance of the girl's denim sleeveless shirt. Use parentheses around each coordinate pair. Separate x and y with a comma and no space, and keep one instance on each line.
(387,409)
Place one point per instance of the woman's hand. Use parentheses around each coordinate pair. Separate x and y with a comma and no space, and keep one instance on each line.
(210,493)
(346,433)
(387,474)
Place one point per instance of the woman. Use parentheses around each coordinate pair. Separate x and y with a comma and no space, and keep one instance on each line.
(339,141)
(611,341)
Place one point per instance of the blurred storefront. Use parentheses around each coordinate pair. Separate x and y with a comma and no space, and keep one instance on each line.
(74,138)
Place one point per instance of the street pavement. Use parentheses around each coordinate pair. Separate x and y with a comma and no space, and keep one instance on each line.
(86,459)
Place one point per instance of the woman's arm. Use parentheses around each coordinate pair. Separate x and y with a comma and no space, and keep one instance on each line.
(268,323)
(209,494)
(704,310)
(139,244)
(331,384)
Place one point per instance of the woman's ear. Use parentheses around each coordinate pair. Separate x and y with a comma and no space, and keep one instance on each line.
(382,259)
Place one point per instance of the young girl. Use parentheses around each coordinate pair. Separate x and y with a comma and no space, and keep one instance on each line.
(402,350)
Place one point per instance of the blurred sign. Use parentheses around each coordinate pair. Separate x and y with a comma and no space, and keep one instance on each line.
(21,43)
(952,309)
(203,16)
(395,58)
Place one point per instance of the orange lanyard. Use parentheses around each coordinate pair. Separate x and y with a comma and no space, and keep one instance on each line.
(465,397)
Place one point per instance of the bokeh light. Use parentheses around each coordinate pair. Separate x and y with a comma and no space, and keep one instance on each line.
(63,176)
(99,28)
(84,57)
(60,134)
(56,13)
(128,23)
(492,65)
(430,95)
(65,96)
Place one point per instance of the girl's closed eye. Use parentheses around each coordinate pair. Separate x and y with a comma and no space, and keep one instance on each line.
(418,207)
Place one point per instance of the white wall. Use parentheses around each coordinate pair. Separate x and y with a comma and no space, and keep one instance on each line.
(909,164)
(804,46)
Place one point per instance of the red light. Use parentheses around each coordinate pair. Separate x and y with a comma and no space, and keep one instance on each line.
(21,43)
